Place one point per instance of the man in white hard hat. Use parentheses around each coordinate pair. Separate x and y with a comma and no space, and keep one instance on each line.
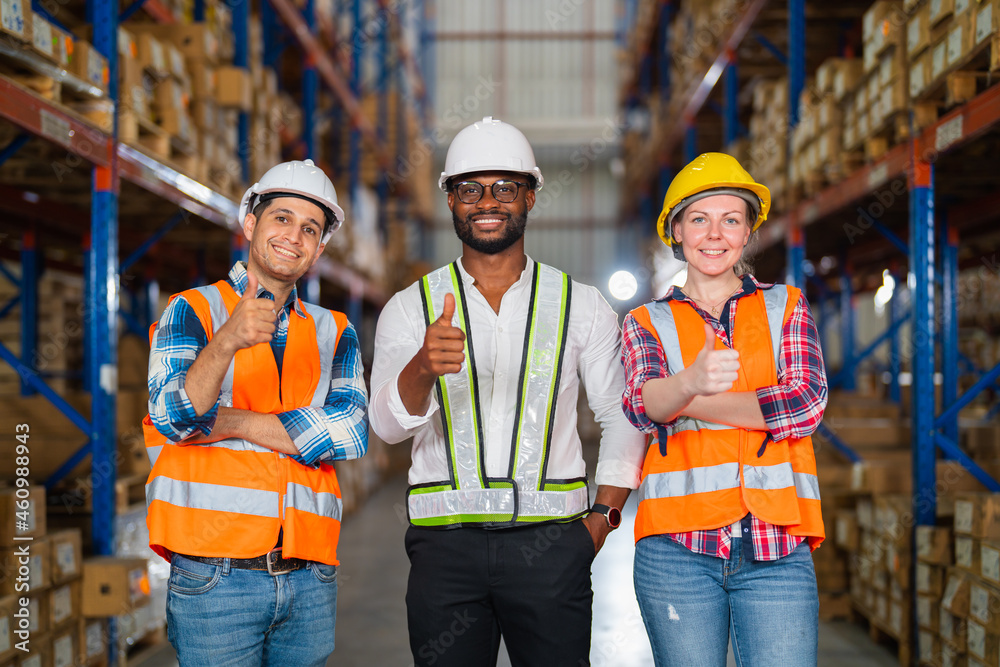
(481,362)
(252,395)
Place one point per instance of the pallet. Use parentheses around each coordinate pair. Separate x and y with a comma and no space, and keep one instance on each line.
(973,73)
(881,635)
(98,112)
(893,130)
(144,648)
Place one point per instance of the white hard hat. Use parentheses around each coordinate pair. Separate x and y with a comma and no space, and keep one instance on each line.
(490,145)
(299,178)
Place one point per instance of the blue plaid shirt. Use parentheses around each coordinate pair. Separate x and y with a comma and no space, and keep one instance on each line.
(338,431)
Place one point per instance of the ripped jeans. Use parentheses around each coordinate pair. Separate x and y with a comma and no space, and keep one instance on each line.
(692,604)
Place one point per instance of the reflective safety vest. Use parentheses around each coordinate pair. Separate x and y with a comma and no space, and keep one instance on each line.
(468,497)
(713,474)
(229,497)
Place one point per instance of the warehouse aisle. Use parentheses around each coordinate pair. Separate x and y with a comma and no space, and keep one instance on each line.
(371,623)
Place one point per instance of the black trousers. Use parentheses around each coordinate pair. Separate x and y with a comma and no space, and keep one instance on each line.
(469,586)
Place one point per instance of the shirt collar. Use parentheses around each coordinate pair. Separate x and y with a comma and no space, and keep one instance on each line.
(238,279)
(750,285)
(529,267)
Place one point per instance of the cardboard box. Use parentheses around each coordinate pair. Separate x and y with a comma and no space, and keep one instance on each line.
(967,554)
(38,613)
(203,82)
(920,74)
(847,530)
(40,653)
(66,555)
(152,56)
(88,64)
(15,19)
(27,565)
(113,586)
(176,122)
(978,515)
(169,94)
(22,514)
(956,593)
(927,612)
(53,43)
(987,24)
(989,562)
(918,32)
(64,604)
(93,642)
(984,606)
(982,644)
(66,646)
(194,41)
(939,58)
(930,579)
(934,545)
(959,40)
(8,623)
(233,88)
(928,647)
(952,629)
(939,10)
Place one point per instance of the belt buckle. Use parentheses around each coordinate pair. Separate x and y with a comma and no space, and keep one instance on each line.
(276,552)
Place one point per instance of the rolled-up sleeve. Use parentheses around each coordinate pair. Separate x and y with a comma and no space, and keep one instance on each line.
(178,339)
(398,337)
(794,407)
(622,447)
(338,431)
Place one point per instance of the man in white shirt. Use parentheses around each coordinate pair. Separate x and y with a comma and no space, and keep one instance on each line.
(498,482)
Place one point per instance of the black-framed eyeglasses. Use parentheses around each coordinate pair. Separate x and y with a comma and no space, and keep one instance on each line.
(470,192)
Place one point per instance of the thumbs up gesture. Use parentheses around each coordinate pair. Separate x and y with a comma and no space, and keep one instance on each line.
(444,345)
(713,371)
(252,321)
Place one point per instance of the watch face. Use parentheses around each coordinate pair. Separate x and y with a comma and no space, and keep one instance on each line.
(614,517)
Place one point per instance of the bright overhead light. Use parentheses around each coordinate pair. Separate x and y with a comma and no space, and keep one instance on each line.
(623,285)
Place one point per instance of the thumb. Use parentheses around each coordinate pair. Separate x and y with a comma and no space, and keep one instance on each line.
(251,290)
(709,339)
(449,310)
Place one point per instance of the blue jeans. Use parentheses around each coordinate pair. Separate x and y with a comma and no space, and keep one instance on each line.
(222,616)
(691,604)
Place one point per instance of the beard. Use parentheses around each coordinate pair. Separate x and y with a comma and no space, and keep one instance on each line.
(512,231)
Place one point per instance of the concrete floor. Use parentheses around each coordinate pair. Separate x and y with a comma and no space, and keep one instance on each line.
(371,622)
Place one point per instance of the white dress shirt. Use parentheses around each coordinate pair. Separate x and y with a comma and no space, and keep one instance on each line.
(593,344)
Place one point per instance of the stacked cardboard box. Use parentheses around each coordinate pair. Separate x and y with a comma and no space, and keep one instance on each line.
(768,162)
(42,569)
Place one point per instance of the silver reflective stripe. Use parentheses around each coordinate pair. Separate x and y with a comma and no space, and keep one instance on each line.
(662,319)
(304,499)
(691,424)
(687,482)
(497,502)
(220,315)
(768,478)
(153,453)
(807,486)
(217,497)
(775,300)
(553,503)
(458,403)
(326,339)
(540,374)
(454,502)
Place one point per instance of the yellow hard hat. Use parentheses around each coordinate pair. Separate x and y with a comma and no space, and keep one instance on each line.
(711,171)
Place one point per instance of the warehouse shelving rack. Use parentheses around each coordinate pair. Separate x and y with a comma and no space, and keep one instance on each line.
(929,246)
(111,163)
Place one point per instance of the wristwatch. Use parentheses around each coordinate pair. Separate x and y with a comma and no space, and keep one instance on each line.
(612,515)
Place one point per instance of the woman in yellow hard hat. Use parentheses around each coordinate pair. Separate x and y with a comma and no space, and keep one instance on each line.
(728,374)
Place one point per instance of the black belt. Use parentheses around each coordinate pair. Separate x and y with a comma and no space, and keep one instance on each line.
(271,561)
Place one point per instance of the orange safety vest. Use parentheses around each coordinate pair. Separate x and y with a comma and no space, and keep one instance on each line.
(230,497)
(713,474)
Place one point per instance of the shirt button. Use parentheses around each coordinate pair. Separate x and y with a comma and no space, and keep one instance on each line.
(500,329)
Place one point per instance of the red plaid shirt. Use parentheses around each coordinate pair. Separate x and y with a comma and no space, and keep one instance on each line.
(792,408)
